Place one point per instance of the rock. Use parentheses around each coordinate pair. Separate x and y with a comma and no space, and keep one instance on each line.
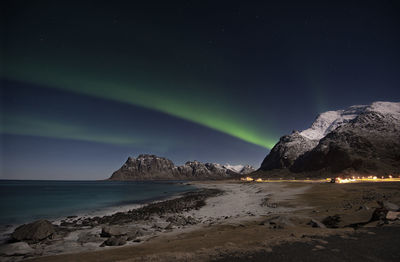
(87,237)
(379,214)
(274,225)
(363,207)
(169,227)
(316,223)
(34,232)
(331,221)
(392,215)
(390,206)
(115,241)
(16,249)
(108,231)
(278,222)
(191,220)
(355,219)
(133,233)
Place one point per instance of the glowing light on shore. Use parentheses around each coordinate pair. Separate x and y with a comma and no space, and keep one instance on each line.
(339,180)
(367,179)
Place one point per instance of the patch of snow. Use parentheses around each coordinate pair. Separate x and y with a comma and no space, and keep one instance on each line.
(234,168)
(217,165)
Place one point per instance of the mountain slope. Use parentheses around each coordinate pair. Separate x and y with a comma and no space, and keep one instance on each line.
(151,167)
(360,139)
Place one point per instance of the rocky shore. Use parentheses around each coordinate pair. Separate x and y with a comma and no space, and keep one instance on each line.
(74,234)
(227,221)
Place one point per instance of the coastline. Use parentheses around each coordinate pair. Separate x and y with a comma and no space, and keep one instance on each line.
(7,229)
(248,218)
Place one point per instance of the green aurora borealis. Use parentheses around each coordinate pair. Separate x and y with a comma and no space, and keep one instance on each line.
(29,125)
(185,103)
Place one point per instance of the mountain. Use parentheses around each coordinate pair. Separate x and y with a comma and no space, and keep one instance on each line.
(240,169)
(152,167)
(361,139)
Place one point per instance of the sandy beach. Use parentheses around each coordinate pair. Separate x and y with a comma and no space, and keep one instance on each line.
(238,220)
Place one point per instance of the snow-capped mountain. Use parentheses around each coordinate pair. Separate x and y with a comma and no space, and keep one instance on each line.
(151,167)
(361,138)
(329,121)
(241,169)
(233,168)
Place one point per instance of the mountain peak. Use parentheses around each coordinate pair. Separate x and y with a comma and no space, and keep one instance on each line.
(361,137)
(328,121)
(152,167)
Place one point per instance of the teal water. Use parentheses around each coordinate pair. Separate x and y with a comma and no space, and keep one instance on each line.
(23,201)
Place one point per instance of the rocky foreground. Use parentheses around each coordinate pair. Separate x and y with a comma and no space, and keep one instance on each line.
(81,233)
(224,220)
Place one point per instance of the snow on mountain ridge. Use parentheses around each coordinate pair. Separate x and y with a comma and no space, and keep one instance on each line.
(234,168)
(330,120)
(386,108)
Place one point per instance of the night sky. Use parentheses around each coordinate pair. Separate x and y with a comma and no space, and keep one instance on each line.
(85,85)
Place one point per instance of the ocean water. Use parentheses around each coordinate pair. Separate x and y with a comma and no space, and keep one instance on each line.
(23,201)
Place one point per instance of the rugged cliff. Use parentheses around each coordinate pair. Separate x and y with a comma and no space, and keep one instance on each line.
(151,167)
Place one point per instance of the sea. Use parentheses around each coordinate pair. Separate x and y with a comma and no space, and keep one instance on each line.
(24,201)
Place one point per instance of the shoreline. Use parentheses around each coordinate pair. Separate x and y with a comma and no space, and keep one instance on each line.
(246,218)
(7,228)
(74,234)
(239,201)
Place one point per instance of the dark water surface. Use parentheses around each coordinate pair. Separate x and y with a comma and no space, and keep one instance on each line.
(26,200)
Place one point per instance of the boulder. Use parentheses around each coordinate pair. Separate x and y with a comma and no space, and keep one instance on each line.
(16,249)
(115,241)
(392,215)
(355,219)
(391,207)
(34,232)
(109,231)
(379,214)
(133,233)
(87,237)
(332,221)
